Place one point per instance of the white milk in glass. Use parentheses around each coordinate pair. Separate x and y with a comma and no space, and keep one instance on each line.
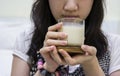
(75,28)
(75,33)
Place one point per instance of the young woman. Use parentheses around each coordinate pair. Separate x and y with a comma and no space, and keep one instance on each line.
(38,45)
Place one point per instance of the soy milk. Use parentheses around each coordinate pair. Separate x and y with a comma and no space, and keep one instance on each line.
(75,33)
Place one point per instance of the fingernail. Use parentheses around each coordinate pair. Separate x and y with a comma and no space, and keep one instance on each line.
(51,47)
(64,43)
(84,46)
(60,23)
(64,34)
(86,54)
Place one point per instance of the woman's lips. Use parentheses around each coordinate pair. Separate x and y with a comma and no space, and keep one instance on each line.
(70,16)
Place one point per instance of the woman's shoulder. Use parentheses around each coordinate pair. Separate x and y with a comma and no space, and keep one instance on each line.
(113,42)
(112,38)
(27,32)
(25,36)
(23,42)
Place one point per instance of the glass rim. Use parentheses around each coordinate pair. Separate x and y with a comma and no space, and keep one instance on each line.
(70,20)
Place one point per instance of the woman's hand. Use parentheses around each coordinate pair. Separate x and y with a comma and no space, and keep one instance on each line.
(50,43)
(88,61)
(90,54)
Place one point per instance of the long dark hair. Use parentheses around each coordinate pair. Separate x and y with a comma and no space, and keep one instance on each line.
(42,19)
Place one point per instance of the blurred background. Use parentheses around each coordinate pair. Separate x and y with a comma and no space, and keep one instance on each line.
(15,17)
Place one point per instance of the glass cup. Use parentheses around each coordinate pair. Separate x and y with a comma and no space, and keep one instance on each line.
(75,29)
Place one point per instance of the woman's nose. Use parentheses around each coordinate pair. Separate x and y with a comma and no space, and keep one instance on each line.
(71,5)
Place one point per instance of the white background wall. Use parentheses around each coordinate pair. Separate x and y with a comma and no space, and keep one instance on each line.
(112,16)
(15,8)
(113,10)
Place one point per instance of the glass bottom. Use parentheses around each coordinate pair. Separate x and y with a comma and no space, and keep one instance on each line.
(72,50)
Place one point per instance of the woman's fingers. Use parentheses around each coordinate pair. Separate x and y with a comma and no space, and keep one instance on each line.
(56,42)
(89,49)
(45,51)
(90,53)
(52,35)
(55,55)
(79,59)
(55,35)
(66,57)
(49,64)
(55,27)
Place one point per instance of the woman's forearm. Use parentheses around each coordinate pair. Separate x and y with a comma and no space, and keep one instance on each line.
(92,68)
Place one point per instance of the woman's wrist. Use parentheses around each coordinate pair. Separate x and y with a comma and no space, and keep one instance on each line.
(49,68)
(90,62)
(45,72)
(92,68)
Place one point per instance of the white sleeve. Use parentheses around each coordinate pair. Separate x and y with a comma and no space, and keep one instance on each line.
(115,54)
(22,47)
